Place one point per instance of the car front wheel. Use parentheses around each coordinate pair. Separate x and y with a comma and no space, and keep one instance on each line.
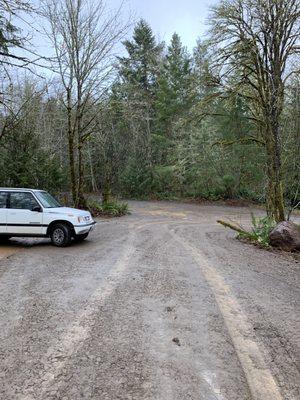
(60,235)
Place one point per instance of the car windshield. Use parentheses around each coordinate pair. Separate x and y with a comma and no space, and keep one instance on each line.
(47,200)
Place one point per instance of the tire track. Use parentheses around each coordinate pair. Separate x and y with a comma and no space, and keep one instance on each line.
(57,356)
(261,383)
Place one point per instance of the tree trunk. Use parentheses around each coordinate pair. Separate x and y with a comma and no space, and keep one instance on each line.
(274,195)
(80,199)
(93,180)
(107,183)
(106,192)
(275,198)
(71,147)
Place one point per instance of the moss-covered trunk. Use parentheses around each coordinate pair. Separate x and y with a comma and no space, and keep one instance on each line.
(274,194)
(107,184)
(106,195)
(80,198)
(71,147)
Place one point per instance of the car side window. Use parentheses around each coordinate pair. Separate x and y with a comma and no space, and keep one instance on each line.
(3,197)
(23,201)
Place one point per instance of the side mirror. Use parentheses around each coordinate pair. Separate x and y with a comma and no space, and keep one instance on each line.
(37,209)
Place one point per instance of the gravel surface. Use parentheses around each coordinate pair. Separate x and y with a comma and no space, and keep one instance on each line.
(163,304)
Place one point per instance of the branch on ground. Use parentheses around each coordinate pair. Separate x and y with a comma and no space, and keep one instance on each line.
(231,226)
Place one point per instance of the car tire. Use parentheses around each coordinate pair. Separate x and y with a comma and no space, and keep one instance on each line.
(80,238)
(61,235)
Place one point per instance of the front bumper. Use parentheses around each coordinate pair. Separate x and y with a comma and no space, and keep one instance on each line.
(84,228)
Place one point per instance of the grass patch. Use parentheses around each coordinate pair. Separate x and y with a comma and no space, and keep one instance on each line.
(111,209)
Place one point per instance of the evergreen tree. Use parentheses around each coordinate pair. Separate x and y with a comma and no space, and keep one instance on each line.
(138,76)
(140,67)
(173,99)
(173,95)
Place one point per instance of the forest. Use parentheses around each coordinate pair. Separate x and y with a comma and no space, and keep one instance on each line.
(116,111)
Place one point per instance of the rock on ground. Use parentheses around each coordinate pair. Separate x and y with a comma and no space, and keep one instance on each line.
(286,236)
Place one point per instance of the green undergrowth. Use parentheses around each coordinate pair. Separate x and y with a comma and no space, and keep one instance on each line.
(260,230)
(111,209)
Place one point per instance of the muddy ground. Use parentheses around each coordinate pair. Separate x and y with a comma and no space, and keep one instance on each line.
(163,304)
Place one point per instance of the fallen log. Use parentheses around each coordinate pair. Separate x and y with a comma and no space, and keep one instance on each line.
(231,226)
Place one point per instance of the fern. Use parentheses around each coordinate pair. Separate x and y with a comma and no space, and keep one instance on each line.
(261,228)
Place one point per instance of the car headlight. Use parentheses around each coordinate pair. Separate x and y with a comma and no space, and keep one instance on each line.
(81,219)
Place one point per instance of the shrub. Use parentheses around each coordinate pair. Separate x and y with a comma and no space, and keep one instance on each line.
(111,209)
(261,228)
(229,184)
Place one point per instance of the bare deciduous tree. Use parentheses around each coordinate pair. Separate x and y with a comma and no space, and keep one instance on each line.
(16,49)
(256,43)
(15,108)
(84,36)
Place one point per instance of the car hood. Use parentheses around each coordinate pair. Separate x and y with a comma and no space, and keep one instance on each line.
(71,212)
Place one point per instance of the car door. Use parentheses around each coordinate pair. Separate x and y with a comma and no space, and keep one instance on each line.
(21,219)
(3,211)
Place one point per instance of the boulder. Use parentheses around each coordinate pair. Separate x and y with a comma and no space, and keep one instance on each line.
(286,236)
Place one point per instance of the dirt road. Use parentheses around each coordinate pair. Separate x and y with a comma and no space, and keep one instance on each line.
(163,304)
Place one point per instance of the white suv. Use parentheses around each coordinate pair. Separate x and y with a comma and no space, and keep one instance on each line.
(35,213)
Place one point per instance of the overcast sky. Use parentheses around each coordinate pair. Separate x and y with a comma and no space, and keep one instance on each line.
(186,17)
